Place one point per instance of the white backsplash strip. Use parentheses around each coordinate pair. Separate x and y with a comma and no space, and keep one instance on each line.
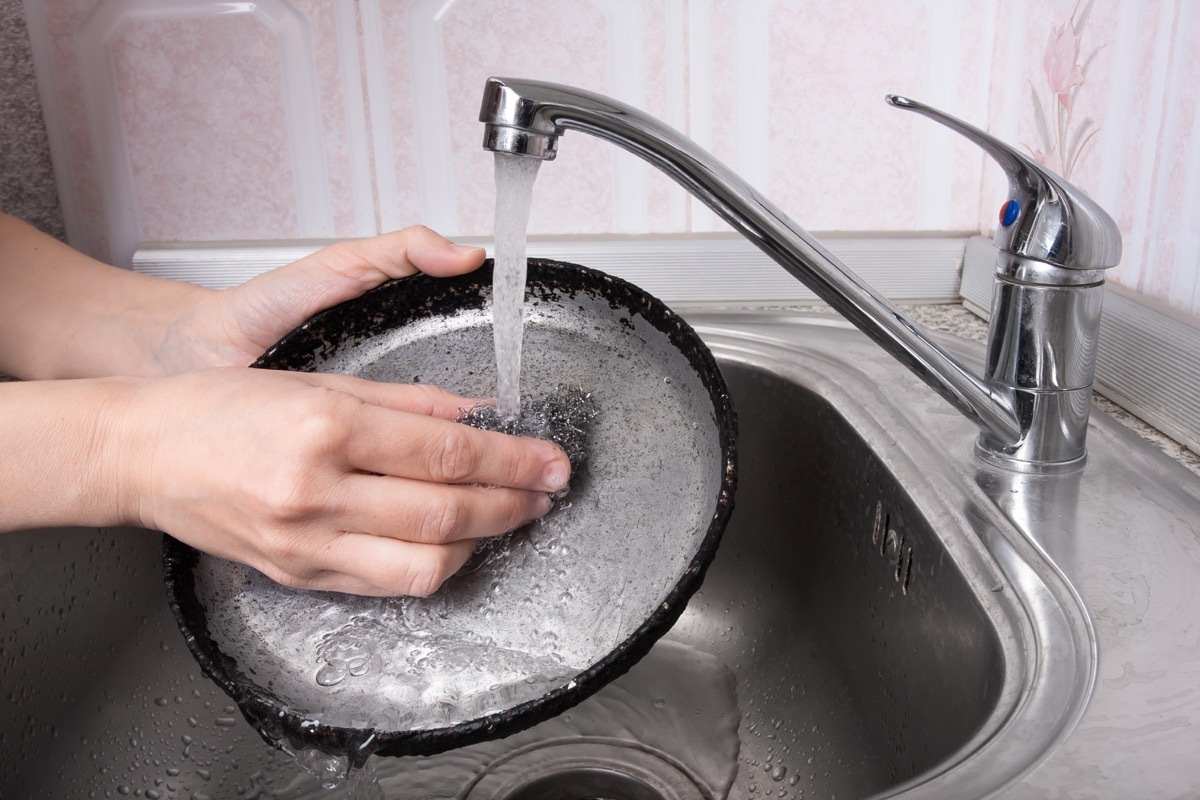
(1149,359)
(676,269)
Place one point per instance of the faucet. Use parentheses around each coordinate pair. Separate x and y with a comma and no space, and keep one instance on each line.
(1054,243)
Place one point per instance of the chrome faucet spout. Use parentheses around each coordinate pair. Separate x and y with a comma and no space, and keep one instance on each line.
(1022,427)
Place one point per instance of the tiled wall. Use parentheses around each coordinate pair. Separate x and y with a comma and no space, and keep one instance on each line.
(199,120)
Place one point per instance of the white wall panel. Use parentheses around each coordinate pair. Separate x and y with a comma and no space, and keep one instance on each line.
(103,93)
(431,139)
(357,119)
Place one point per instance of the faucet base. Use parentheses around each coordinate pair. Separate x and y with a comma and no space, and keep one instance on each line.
(1013,464)
(1053,426)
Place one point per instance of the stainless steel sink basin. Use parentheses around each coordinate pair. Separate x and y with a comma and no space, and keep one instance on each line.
(874,625)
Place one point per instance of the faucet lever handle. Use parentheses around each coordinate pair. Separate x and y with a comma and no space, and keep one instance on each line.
(1045,218)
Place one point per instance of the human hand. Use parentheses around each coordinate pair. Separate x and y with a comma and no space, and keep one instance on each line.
(235,326)
(321,481)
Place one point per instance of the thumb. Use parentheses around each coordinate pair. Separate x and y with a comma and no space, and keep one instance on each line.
(271,304)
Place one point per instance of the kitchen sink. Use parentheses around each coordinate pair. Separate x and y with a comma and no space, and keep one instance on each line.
(875,624)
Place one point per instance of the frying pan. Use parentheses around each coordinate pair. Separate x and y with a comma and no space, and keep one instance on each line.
(565,606)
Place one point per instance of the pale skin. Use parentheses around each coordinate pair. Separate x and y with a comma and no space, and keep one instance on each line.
(137,410)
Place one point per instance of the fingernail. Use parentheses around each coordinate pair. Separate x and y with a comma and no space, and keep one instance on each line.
(544,504)
(462,249)
(555,476)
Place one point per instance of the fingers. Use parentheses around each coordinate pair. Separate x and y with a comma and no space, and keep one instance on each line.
(400,254)
(443,261)
(424,448)
(400,537)
(404,430)
(430,401)
(414,511)
(412,478)
(359,563)
(429,513)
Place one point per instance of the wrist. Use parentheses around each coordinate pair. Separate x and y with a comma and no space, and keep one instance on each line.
(119,446)
(164,337)
(195,326)
(64,461)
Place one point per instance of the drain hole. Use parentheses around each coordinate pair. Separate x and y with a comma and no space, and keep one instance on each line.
(585,784)
(586,769)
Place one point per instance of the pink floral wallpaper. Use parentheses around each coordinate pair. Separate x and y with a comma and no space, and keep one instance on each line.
(205,121)
(1111,97)
(1061,140)
(193,160)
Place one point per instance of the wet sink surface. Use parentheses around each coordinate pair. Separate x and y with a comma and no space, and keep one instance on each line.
(872,625)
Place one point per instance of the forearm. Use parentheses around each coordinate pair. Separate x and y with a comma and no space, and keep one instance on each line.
(58,466)
(65,315)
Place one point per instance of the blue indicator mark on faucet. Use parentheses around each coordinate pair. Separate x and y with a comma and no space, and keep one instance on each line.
(1008,212)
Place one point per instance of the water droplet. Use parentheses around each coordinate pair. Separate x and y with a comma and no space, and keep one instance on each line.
(331,674)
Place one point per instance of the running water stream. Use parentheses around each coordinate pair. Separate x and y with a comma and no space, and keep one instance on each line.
(514,195)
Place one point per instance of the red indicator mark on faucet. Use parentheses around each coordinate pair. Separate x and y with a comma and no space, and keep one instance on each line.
(1008,212)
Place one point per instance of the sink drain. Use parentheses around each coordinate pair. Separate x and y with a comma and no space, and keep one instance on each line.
(586,769)
(586,782)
